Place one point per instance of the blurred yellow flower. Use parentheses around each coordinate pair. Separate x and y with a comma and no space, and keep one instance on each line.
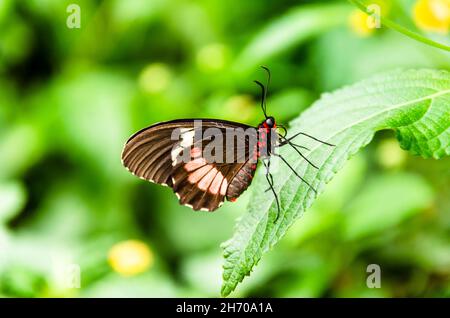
(130,257)
(360,23)
(155,78)
(390,155)
(432,15)
(363,24)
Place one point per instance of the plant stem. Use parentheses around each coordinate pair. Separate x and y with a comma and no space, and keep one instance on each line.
(394,26)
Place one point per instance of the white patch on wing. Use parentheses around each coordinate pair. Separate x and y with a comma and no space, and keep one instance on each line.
(196,152)
(187,139)
(198,174)
(208,177)
(194,164)
(206,181)
(215,185)
(224,187)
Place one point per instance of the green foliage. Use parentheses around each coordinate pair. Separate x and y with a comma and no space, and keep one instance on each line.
(12,200)
(70,98)
(297,25)
(414,103)
(402,195)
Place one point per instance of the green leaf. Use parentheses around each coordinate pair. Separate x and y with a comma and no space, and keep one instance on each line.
(415,103)
(296,26)
(402,194)
(12,199)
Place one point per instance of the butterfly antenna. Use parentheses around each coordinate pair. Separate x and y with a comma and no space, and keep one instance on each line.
(267,85)
(263,97)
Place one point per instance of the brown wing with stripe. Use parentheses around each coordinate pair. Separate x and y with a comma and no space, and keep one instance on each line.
(199,183)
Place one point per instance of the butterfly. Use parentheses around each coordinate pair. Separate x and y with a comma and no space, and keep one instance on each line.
(208,161)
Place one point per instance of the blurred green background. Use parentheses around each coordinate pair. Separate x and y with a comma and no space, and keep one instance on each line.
(70,98)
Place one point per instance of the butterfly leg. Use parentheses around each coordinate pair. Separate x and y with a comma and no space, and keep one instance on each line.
(288,141)
(295,172)
(294,146)
(269,179)
(305,134)
(284,130)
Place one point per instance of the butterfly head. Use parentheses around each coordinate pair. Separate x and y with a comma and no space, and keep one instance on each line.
(269,122)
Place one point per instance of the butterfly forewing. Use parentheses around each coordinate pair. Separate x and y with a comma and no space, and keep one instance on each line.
(185,163)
